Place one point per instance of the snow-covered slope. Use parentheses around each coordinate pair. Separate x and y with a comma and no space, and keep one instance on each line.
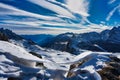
(17,54)
(21,59)
(54,61)
(11,37)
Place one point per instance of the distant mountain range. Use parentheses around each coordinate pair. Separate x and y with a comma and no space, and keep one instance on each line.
(41,39)
(105,41)
(89,56)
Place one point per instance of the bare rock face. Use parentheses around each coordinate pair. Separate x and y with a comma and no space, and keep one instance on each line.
(3,37)
(112,71)
(13,78)
(10,34)
(71,74)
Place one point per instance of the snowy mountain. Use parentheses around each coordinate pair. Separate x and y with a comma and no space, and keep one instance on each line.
(105,41)
(29,45)
(21,59)
(18,60)
(41,39)
(9,34)
(89,51)
(114,35)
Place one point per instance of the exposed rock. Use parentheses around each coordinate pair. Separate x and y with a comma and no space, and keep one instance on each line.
(13,78)
(38,55)
(10,34)
(71,74)
(112,71)
(3,37)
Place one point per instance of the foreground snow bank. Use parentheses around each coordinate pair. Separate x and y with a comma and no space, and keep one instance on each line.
(18,54)
(59,65)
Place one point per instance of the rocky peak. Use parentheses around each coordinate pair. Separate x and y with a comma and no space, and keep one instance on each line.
(114,35)
(64,37)
(9,34)
(104,35)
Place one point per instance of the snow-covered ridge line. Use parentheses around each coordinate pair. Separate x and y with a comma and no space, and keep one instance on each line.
(85,55)
(18,53)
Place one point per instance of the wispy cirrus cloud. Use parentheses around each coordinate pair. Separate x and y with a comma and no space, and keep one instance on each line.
(111,1)
(112,12)
(25,22)
(28,30)
(75,6)
(15,11)
(78,6)
(67,9)
(53,7)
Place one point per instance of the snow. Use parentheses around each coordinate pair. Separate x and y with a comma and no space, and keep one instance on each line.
(16,59)
(56,57)
(95,59)
(56,62)
(92,72)
(2,78)
(7,67)
(117,55)
(85,55)
(17,51)
(100,48)
(89,68)
(3,58)
(89,73)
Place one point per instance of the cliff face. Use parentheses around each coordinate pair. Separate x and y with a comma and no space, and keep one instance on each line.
(3,37)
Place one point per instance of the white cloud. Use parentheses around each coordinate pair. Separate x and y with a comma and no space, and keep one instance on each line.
(53,7)
(29,23)
(78,6)
(32,25)
(27,29)
(111,1)
(112,12)
(55,31)
(19,12)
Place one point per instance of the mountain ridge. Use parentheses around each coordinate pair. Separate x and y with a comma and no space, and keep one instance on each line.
(88,41)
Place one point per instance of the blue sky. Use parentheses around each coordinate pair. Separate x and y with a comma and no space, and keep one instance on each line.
(59,16)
